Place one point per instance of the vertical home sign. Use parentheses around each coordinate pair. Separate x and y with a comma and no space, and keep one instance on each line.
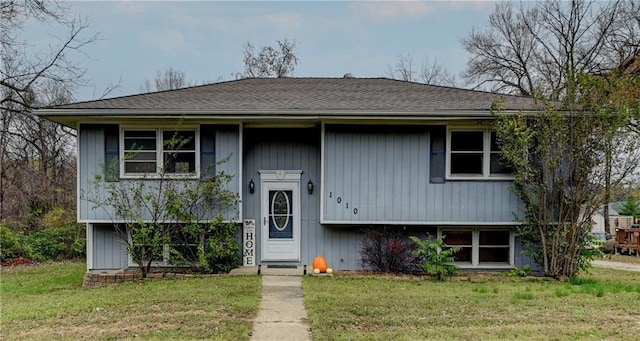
(248,242)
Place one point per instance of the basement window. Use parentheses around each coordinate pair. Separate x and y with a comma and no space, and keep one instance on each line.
(481,247)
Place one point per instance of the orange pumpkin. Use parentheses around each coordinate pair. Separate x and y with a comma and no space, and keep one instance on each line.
(320,263)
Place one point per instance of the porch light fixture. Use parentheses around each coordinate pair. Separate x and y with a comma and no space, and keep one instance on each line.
(252,186)
(310,187)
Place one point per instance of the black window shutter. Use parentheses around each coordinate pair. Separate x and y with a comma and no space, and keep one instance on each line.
(111,152)
(438,154)
(207,149)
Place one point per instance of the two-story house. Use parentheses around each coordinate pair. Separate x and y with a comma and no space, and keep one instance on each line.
(335,155)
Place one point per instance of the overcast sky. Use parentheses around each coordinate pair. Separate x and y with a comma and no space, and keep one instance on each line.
(205,38)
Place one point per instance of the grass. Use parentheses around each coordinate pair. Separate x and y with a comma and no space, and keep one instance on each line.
(48,302)
(596,306)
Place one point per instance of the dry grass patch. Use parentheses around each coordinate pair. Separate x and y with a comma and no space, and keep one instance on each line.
(48,302)
(622,259)
(602,305)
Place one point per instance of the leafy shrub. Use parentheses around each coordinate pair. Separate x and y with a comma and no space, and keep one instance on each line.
(388,250)
(221,251)
(67,242)
(525,271)
(60,237)
(12,244)
(436,258)
(593,249)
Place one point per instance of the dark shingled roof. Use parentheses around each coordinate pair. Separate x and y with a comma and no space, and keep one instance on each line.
(311,94)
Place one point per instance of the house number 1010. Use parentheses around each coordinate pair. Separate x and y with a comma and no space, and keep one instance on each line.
(339,200)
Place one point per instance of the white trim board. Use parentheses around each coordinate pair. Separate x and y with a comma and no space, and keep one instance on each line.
(240,172)
(322,163)
(427,223)
(102,221)
(280,175)
(276,249)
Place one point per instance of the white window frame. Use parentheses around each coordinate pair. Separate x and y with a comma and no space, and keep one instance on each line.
(486,157)
(475,247)
(159,153)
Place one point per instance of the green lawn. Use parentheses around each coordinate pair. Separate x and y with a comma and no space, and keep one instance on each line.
(47,302)
(602,305)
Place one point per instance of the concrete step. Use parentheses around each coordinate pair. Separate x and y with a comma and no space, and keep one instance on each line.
(267,270)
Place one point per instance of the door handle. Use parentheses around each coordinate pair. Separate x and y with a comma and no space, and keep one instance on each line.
(264,220)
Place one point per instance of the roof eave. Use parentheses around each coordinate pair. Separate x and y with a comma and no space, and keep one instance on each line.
(70,117)
(143,113)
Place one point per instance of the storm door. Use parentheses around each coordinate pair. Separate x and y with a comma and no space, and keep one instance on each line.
(280,206)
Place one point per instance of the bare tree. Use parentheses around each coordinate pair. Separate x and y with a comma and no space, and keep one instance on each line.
(22,70)
(269,61)
(169,79)
(436,73)
(430,72)
(37,162)
(37,166)
(565,164)
(541,49)
(403,69)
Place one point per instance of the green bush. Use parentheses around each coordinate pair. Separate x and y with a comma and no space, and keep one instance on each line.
(221,251)
(12,244)
(59,243)
(436,257)
(525,271)
(58,238)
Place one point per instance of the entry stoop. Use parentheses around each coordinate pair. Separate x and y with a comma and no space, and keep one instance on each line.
(281,270)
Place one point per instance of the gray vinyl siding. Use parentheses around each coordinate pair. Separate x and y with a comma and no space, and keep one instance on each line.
(91,157)
(91,162)
(342,244)
(228,148)
(383,172)
(287,149)
(521,258)
(109,251)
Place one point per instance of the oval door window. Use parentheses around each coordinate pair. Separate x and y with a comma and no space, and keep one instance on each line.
(280,208)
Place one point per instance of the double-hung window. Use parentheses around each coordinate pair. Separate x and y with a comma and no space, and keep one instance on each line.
(179,151)
(480,247)
(474,153)
(140,152)
(156,151)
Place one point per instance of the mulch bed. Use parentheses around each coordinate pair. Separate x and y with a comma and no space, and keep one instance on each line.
(20,261)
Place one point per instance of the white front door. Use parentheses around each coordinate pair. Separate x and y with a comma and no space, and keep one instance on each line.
(280,207)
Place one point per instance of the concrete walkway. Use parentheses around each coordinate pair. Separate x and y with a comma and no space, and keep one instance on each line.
(282,314)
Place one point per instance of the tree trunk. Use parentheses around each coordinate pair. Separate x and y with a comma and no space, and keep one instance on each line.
(607,191)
